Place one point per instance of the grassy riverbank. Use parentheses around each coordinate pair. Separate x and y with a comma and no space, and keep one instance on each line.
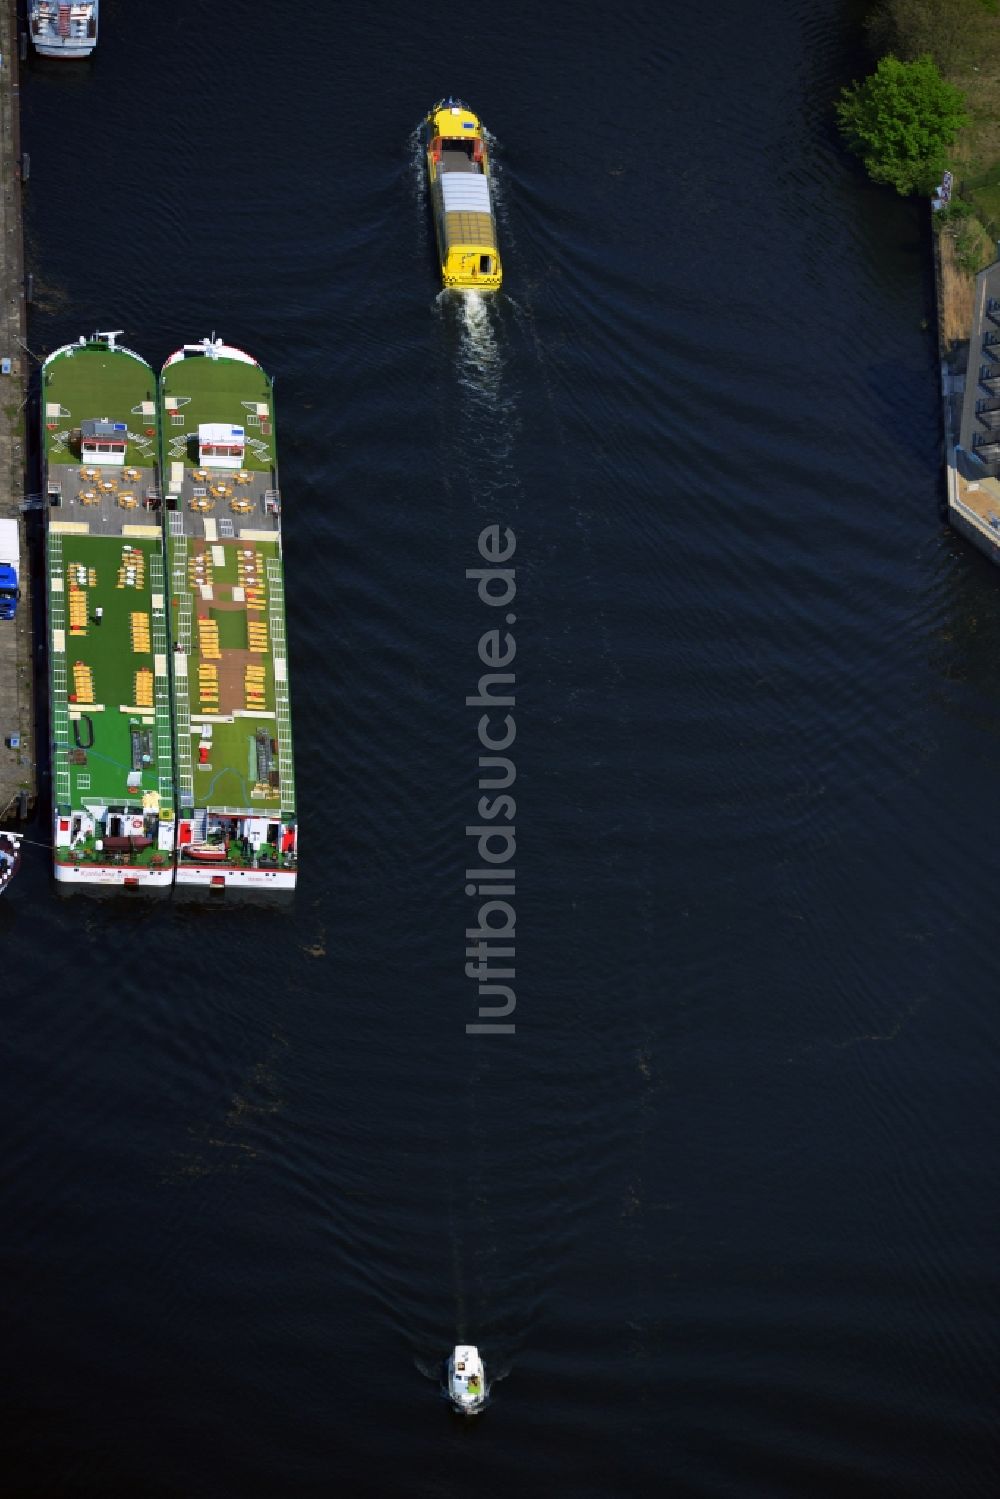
(967,235)
(963,39)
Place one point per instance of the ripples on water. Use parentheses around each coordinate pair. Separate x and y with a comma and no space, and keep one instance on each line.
(717,1213)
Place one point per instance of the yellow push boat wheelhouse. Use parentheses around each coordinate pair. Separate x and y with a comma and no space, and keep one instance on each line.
(458,170)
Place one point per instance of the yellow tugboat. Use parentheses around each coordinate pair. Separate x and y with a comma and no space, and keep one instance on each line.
(458,170)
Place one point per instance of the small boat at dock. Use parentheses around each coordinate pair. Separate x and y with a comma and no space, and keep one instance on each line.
(10,858)
(458,172)
(63,28)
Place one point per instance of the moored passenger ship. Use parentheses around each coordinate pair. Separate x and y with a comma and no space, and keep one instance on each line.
(112,749)
(63,28)
(458,171)
(236,823)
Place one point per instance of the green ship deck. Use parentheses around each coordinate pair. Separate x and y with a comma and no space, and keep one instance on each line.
(109,653)
(232,718)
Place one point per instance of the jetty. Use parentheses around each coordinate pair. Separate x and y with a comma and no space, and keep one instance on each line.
(18,763)
(970,389)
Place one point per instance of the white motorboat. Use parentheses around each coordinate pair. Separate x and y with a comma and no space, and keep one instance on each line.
(10,858)
(63,28)
(466,1379)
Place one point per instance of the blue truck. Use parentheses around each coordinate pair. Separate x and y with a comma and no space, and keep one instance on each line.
(10,568)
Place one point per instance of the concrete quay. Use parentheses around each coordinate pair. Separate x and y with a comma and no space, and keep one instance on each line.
(18,766)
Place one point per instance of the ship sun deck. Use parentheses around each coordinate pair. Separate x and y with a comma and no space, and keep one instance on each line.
(232,714)
(109,661)
(225,617)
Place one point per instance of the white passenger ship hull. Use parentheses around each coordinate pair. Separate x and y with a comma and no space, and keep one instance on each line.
(209,875)
(121,875)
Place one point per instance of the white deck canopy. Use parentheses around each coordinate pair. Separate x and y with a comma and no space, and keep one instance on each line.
(465,192)
(221,445)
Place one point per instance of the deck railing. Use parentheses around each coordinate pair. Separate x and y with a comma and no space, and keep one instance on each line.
(283,711)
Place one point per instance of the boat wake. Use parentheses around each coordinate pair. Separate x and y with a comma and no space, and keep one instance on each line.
(466,1255)
(418,169)
(473,326)
(479,364)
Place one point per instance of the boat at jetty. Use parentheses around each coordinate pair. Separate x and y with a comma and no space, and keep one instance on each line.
(10,858)
(458,170)
(112,753)
(63,28)
(171,724)
(237,823)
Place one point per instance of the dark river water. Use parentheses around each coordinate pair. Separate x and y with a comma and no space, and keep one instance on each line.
(721,1213)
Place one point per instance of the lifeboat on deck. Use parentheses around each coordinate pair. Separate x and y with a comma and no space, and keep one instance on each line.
(461,189)
(205,853)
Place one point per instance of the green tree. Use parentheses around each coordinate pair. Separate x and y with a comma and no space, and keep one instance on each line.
(901,120)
